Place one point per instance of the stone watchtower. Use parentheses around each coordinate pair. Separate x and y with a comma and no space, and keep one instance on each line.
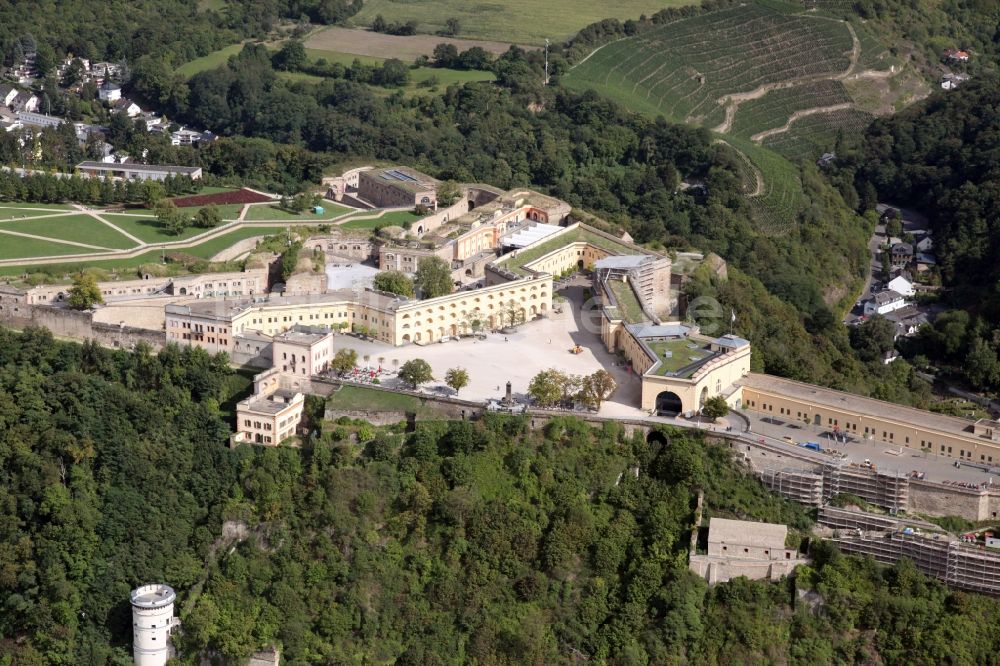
(152,620)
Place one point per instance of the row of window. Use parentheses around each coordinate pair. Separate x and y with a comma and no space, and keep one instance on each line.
(257,424)
(886,436)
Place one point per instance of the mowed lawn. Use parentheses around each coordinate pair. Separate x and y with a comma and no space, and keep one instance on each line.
(76,228)
(273,212)
(517,21)
(212,247)
(18,247)
(148,229)
(8,209)
(210,61)
(394,218)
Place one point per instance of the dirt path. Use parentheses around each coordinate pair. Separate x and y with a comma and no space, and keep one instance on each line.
(760,136)
(733,101)
(588,56)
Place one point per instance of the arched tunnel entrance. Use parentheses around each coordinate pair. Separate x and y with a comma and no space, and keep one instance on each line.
(668,403)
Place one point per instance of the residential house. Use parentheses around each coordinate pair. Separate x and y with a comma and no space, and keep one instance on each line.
(952,81)
(907,320)
(109,92)
(956,55)
(25,101)
(925,245)
(106,70)
(884,302)
(7,94)
(901,285)
(190,137)
(926,259)
(900,255)
(126,106)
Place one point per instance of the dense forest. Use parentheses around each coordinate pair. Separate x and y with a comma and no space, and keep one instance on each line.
(459,542)
(940,157)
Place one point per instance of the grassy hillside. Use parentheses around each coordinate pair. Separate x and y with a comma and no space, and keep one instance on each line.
(518,21)
(767,78)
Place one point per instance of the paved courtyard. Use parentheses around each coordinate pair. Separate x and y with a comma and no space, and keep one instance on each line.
(518,356)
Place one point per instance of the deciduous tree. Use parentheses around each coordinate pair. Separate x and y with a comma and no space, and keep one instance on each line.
(456,378)
(416,372)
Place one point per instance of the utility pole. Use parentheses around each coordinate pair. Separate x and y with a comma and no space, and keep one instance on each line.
(546,62)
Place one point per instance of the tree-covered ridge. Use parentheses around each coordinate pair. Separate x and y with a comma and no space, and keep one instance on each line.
(940,157)
(458,543)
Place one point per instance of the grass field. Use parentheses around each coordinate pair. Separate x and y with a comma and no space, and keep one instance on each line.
(76,228)
(272,212)
(394,218)
(17,247)
(514,21)
(211,61)
(27,208)
(421,78)
(210,248)
(148,229)
(380,45)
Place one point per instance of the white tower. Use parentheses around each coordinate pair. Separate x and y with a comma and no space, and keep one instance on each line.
(152,619)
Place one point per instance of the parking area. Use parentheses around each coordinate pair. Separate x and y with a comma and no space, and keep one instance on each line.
(858,450)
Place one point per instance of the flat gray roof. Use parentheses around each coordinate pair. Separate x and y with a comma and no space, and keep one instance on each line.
(225,309)
(133,166)
(747,533)
(660,331)
(622,262)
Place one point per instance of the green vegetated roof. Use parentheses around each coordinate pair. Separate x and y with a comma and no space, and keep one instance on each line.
(517,263)
(628,304)
(679,354)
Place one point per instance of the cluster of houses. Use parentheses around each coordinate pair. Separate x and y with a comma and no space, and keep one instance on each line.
(904,260)
(952,80)
(20,108)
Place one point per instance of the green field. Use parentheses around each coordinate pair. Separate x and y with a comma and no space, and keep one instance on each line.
(27,208)
(272,212)
(393,218)
(210,248)
(421,78)
(517,21)
(76,228)
(210,61)
(18,247)
(149,230)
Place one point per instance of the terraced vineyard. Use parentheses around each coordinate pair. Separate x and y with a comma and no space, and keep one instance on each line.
(774,108)
(685,69)
(814,134)
(766,76)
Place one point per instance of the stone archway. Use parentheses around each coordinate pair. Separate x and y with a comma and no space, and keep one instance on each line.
(668,403)
(430,335)
(703,397)
(406,337)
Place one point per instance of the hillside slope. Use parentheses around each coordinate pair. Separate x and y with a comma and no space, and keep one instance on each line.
(761,76)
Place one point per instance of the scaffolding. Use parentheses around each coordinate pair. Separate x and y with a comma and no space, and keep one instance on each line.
(800,485)
(963,566)
(889,490)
